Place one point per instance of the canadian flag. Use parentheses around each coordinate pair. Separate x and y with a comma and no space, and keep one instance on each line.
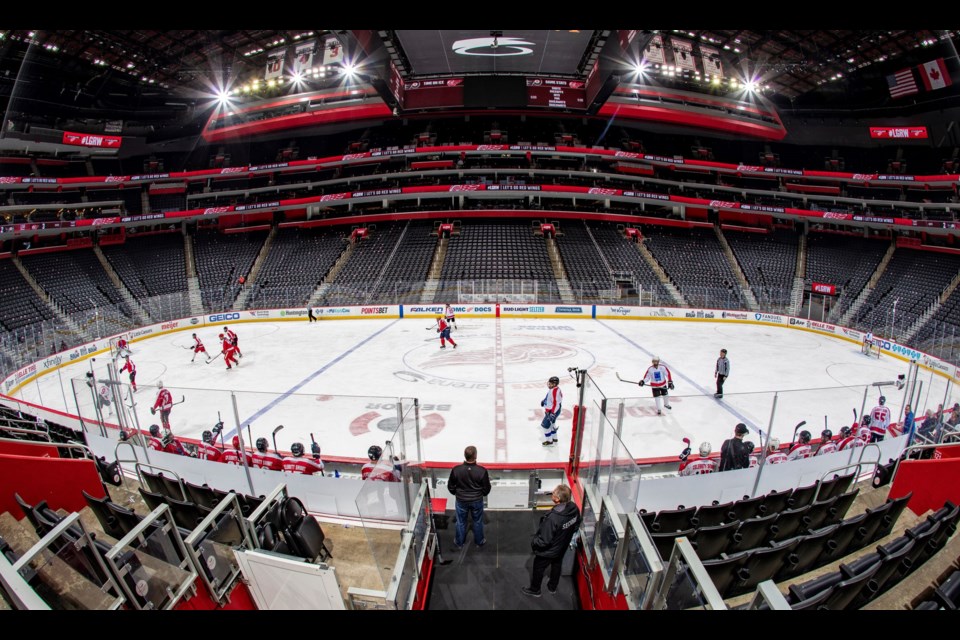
(935,75)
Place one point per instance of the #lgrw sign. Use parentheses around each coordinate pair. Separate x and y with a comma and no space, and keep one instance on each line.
(89,140)
(820,287)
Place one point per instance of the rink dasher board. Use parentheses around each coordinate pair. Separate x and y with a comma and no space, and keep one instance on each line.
(17,380)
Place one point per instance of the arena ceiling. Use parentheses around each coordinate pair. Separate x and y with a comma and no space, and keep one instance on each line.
(793,63)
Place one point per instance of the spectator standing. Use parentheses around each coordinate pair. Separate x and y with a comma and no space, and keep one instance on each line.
(469,482)
(722,372)
(552,539)
(909,424)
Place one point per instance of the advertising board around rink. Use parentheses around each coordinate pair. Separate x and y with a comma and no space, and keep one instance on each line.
(510,310)
(483,310)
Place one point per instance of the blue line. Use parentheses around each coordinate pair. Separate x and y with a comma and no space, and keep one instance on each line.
(286,394)
(693,384)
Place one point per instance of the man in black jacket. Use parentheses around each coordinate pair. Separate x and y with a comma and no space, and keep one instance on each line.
(733,453)
(469,482)
(551,540)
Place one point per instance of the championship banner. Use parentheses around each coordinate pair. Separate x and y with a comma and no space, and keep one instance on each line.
(88,140)
(303,61)
(683,54)
(654,51)
(332,51)
(274,64)
(711,61)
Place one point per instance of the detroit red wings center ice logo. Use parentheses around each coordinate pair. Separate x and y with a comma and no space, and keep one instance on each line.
(433,423)
(513,354)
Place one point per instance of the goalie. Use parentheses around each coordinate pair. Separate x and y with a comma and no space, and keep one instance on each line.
(659,380)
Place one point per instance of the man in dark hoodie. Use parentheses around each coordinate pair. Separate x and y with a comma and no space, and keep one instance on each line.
(551,540)
(469,482)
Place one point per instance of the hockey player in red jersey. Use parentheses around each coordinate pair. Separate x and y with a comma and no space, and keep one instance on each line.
(228,352)
(774,455)
(237,455)
(207,449)
(234,341)
(299,463)
(197,347)
(132,368)
(266,459)
(123,347)
(879,421)
(154,442)
(164,403)
(696,465)
(172,445)
(444,330)
(802,449)
(827,445)
(659,379)
(376,469)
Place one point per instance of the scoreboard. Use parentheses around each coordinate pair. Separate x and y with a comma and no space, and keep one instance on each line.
(556,93)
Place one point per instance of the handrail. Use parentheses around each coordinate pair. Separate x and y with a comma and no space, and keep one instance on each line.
(137,465)
(42,434)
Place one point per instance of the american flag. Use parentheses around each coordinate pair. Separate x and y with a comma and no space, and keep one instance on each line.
(902,83)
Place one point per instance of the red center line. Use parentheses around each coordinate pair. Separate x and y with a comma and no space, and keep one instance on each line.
(500,406)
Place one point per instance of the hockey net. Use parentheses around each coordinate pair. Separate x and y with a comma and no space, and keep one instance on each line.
(870,348)
(115,351)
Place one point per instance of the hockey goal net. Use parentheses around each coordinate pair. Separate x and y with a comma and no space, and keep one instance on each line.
(115,350)
(870,348)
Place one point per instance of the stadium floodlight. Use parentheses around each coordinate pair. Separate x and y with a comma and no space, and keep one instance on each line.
(349,69)
(223,96)
(750,86)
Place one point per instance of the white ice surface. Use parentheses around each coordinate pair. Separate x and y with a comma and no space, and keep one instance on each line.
(340,380)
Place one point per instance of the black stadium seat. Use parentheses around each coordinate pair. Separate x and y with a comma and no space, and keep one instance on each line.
(712,541)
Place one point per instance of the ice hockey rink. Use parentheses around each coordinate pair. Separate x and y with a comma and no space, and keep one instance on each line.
(340,381)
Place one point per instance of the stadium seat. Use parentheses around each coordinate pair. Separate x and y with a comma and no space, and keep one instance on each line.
(664,541)
(788,524)
(802,496)
(712,515)
(713,541)
(805,555)
(752,533)
(842,505)
(673,520)
(842,538)
(748,508)
(763,564)
(816,515)
(108,520)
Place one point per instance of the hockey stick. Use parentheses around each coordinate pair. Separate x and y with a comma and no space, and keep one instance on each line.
(315,450)
(854,414)
(623,380)
(209,360)
(279,427)
(182,400)
(795,429)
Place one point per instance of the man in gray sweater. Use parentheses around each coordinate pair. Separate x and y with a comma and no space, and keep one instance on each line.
(469,483)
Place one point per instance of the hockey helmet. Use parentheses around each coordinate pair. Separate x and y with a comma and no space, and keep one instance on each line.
(296,449)
(374,452)
(124,436)
(844,432)
(235,442)
(554,380)
(221,336)
(741,428)
(656,359)
(826,435)
(883,399)
(705,449)
(749,446)
(262,445)
(194,335)
(159,384)
(773,444)
(155,430)
(207,437)
(865,421)
(804,437)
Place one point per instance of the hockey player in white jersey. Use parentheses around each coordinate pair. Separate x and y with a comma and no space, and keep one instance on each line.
(696,465)
(659,380)
(827,445)
(802,449)
(879,420)
(774,455)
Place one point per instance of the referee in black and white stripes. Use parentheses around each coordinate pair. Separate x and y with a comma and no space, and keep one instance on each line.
(722,372)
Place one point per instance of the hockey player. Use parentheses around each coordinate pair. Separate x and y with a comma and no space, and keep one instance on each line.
(827,445)
(103,399)
(879,420)
(302,464)
(236,455)
(164,403)
(232,337)
(228,351)
(444,330)
(848,440)
(774,455)
(172,445)
(123,347)
(197,347)
(377,470)
(207,449)
(154,442)
(266,459)
(551,411)
(754,460)
(450,316)
(132,368)
(659,380)
(864,431)
(802,448)
(697,465)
